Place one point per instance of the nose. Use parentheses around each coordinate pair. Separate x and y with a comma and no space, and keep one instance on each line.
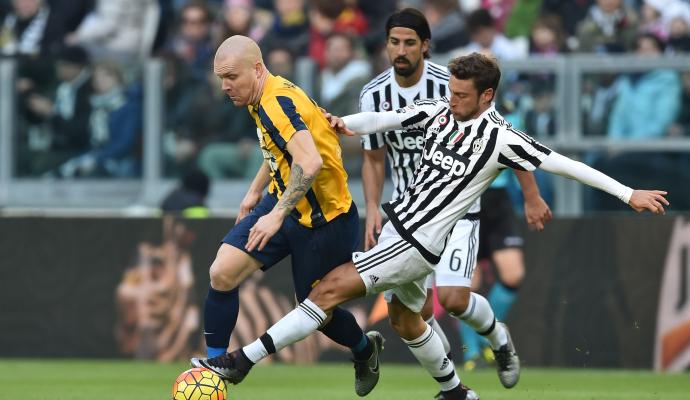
(225,84)
(401,49)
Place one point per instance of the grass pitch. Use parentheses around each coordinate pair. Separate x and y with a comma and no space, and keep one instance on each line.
(106,380)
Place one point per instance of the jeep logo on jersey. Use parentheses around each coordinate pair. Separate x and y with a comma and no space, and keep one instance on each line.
(407,142)
(445,160)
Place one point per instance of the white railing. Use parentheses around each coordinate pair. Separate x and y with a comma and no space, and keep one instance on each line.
(114,196)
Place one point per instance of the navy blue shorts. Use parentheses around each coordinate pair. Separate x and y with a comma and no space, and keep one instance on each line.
(315,251)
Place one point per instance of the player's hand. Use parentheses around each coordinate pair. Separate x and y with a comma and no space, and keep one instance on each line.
(537,213)
(263,231)
(372,228)
(338,124)
(652,200)
(251,199)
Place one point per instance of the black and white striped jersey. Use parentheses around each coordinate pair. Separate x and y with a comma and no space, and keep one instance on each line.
(404,148)
(459,161)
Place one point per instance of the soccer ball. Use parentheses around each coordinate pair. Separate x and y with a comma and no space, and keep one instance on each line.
(199,384)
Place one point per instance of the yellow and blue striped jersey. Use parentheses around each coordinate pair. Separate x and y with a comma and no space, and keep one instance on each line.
(283,110)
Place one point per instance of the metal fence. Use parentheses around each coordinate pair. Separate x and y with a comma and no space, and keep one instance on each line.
(141,196)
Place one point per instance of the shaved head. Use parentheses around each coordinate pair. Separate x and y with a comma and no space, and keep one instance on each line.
(240,48)
(240,66)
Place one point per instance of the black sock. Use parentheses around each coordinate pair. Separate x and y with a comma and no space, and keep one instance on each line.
(343,329)
(220,316)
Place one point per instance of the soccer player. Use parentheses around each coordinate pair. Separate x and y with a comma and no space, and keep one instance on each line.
(467,143)
(413,77)
(307,213)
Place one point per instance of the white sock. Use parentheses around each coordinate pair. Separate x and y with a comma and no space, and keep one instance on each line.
(439,331)
(295,326)
(480,317)
(428,349)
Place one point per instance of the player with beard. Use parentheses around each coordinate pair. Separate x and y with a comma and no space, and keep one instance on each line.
(467,144)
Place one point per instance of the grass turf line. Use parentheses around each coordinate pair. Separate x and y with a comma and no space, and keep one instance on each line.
(109,380)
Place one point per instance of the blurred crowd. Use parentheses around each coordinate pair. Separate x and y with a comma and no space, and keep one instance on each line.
(80,92)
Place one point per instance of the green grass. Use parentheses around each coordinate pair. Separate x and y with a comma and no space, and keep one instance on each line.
(104,380)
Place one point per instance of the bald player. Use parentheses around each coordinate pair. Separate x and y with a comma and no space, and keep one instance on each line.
(307,211)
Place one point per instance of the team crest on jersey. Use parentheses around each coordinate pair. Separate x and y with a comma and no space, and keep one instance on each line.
(478,145)
(386,106)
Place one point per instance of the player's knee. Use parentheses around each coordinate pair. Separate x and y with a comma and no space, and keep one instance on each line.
(401,327)
(512,277)
(455,302)
(223,278)
(325,295)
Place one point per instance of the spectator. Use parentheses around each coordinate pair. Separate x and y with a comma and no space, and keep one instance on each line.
(598,96)
(239,19)
(24,30)
(281,60)
(327,17)
(572,12)
(540,120)
(180,146)
(647,103)
(343,77)
(610,27)
(547,37)
(499,10)
(189,199)
(678,24)
(290,26)
(448,29)
(115,128)
(118,29)
(192,42)
(226,136)
(485,38)
(66,112)
(681,127)
(651,20)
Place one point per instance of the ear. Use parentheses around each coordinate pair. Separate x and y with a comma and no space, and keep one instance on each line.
(425,46)
(487,96)
(257,69)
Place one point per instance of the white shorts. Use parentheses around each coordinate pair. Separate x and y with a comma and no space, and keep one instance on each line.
(394,266)
(459,257)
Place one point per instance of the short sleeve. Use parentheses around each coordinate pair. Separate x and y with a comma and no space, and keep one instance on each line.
(520,151)
(421,112)
(374,140)
(282,119)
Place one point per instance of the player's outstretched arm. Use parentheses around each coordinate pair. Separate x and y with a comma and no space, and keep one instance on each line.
(366,122)
(639,200)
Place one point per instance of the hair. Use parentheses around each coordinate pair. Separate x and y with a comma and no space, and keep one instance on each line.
(345,35)
(412,19)
(654,38)
(479,19)
(200,4)
(483,71)
(196,181)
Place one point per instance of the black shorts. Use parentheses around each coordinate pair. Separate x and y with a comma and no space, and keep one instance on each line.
(314,251)
(497,227)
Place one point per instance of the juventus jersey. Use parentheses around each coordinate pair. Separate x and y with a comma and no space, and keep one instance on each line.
(458,163)
(404,148)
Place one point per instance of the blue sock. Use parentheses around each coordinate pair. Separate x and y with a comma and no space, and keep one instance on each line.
(343,329)
(501,299)
(220,316)
(471,342)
